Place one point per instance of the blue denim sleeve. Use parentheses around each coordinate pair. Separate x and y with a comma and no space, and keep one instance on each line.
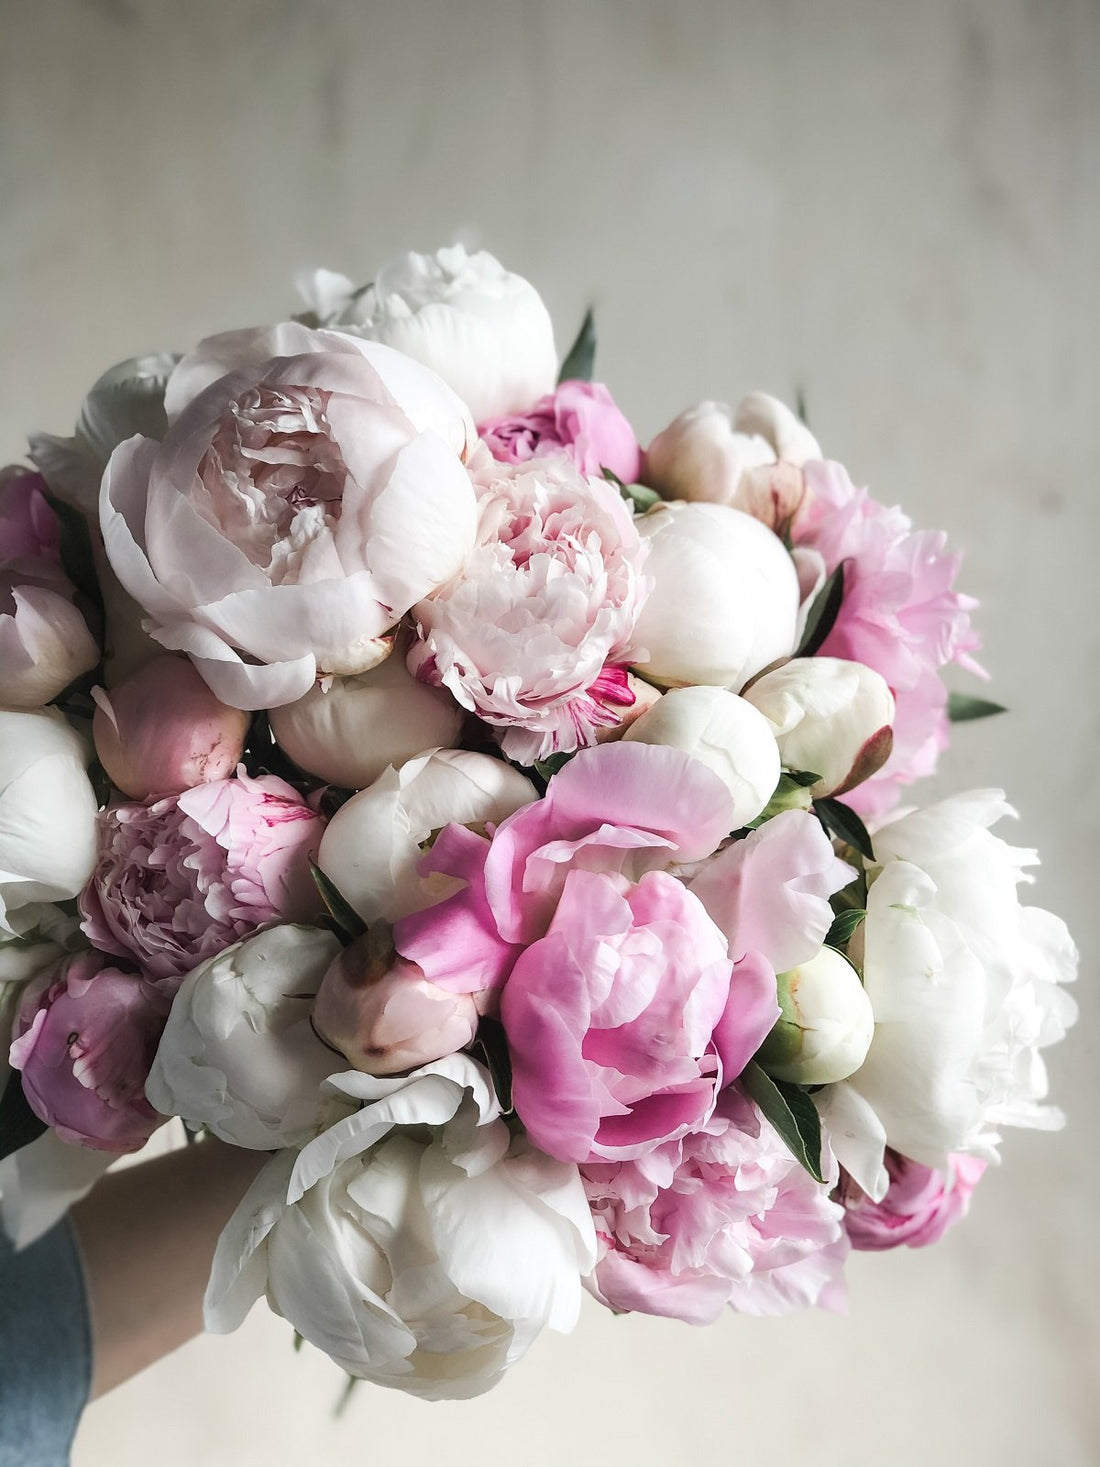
(45,1349)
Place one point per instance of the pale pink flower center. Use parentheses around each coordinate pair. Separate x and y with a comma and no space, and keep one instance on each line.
(274,476)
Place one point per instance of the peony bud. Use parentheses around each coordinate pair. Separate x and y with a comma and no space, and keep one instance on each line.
(349,731)
(830,717)
(724,600)
(383,1015)
(162,731)
(752,463)
(699,456)
(826,1025)
(785,433)
(725,733)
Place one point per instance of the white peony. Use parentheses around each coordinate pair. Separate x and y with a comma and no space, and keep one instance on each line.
(371,846)
(348,729)
(964,985)
(484,330)
(749,460)
(47,812)
(829,716)
(724,598)
(416,1242)
(239,1055)
(725,733)
(826,1025)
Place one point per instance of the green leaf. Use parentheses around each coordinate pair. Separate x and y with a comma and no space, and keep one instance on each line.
(548,767)
(76,550)
(961,707)
(804,778)
(791,1112)
(493,1049)
(800,406)
(823,613)
(19,1125)
(842,821)
(840,933)
(639,496)
(348,923)
(299,1341)
(581,356)
(345,1396)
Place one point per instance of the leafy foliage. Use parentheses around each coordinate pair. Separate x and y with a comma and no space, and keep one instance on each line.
(580,360)
(791,1112)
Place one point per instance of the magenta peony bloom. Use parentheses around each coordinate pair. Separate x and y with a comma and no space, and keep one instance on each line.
(178,880)
(919,1207)
(725,1216)
(85,1036)
(622,1004)
(611,1017)
(578,420)
(900,615)
(531,636)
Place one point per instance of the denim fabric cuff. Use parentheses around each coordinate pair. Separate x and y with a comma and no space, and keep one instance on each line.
(45,1349)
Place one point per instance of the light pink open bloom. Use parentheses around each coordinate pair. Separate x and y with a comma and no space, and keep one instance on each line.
(725,1216)
(85,1036)
(310,488)
(531,636)
(623,1006)
(179,879)
(900,615)
(578,420)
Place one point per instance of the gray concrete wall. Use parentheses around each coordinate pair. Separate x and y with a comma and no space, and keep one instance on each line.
(893,207)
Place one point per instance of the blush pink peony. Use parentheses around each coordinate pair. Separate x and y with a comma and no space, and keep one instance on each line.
(85,1036)
(578,420)
(531,635)
(919,1206)
(179,879)
(900,616)
(310,488)
(725,1216)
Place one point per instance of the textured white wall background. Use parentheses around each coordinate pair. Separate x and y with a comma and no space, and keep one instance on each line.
(895,208)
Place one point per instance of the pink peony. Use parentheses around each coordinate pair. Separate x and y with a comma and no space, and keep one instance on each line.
(45,643)
(919,1207)
(178,880)
(900,616)
(578,420)
(725,1216)
(623,1007)
(611,1017)
(531,636)
(161,731)
(383,1015)
(769,893)
(85,1036)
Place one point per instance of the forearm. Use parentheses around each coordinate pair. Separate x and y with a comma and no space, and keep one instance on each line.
(147,1236)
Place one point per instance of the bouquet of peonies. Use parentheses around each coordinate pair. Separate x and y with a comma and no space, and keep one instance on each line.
(404,774)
